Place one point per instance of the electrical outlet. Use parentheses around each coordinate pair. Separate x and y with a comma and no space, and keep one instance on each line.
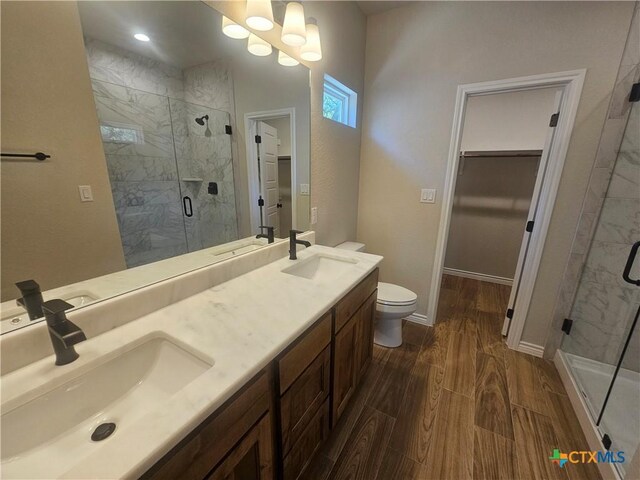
(304,189)
(428,195)
(86,195)
(314,215)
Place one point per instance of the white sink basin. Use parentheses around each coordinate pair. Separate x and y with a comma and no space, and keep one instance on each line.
(42,436)
(320,267)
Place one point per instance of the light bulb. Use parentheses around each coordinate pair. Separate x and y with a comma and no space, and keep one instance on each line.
(142,37)
(286,61)
(312,50)
(258,46)
(259,15)
(294,31)
(233,30)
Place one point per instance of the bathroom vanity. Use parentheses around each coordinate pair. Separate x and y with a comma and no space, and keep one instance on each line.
(245,379)
(280,418)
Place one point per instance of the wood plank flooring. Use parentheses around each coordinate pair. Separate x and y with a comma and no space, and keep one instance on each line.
(454,403)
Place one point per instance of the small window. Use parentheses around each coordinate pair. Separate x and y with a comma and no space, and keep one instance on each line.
(339,102)
(113,132)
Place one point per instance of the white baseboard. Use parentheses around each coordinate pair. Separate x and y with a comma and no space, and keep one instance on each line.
(419,318)
(478,276)
(607,470)
(531,349)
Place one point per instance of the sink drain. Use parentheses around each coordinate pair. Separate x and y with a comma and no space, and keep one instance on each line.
(102,431)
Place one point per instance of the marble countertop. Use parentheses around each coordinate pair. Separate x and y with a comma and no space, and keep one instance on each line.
(240,326)
(106,286)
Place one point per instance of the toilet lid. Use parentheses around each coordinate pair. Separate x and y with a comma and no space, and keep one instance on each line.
(390,294)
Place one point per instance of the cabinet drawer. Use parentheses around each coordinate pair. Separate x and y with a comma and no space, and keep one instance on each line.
(315,433)
(356,297)
(303,399)
(298,358)
(203,448)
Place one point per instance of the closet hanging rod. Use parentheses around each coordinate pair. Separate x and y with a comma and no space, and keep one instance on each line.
(38,155)
(500,153)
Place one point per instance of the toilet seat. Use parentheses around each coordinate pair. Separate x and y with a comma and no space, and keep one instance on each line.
(395,295)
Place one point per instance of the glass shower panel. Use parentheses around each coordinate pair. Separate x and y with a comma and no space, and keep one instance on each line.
(205,168)
(138,144)
(606,305)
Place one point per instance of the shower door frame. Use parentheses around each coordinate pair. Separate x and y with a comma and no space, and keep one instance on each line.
(571,82)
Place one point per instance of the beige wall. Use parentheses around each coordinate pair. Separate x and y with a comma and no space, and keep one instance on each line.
(335,148)
(493,195)
(47,104)
(416,57)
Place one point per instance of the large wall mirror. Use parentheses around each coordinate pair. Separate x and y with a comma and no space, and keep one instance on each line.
(181,182)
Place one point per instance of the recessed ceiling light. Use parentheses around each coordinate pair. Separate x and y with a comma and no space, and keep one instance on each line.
(142,37)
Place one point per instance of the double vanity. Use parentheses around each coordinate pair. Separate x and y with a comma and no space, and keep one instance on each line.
(245,378)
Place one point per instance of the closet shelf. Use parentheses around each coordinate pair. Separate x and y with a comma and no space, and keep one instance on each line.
(500,153)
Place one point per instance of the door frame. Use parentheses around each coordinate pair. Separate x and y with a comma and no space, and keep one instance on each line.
(571,83)
(250,127)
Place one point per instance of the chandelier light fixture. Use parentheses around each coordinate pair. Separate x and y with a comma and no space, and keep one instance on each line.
(258,46)
(233,30)
(287,61)
(312,50)
(259,15)
(294,30)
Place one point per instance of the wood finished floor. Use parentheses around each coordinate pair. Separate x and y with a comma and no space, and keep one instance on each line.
(454,403)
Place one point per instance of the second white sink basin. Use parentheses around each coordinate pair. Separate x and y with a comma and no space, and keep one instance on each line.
(320,267)
(43,436)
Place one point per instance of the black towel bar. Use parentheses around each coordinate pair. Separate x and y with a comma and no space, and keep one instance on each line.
(38,155)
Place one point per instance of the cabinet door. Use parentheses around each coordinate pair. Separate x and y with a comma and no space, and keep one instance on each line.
(344,367)
(364,337)
(251,459)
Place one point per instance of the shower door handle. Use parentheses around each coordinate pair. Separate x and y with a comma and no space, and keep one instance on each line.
(186,202)
(627,267)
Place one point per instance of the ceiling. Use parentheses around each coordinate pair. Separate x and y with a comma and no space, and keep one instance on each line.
(373,7)
(183,34)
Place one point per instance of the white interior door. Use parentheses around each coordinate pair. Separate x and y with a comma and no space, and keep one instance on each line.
(269,187)
(531,219)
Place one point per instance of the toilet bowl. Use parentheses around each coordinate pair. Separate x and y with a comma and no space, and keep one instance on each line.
(394,304)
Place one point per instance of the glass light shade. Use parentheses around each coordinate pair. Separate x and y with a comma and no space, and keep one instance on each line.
(294,31)
(258,46)
(287,61)
(259,15)
(233,30)
(312,50)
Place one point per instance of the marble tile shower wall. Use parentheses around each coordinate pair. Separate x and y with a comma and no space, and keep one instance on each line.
(162,102)
(603,304)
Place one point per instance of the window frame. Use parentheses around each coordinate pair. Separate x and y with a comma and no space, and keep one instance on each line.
(347,97)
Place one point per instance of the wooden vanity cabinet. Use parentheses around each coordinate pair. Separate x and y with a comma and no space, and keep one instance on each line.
(353,341)
(274,425)
(304,385)
(236,442)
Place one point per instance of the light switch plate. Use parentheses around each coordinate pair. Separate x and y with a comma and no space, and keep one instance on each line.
(428,195)
(314,215)
(86,194)
(304,189)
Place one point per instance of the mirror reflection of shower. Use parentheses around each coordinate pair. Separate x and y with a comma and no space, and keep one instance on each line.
(204,120)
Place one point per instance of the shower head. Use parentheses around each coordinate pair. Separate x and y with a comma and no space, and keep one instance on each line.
(201,120)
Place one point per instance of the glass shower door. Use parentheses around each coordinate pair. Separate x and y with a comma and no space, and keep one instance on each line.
(603,347)
(205,168)
(138,146)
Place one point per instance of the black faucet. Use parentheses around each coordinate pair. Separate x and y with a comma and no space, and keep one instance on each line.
(31,299)
(293,241)
(64,334)
(270,236)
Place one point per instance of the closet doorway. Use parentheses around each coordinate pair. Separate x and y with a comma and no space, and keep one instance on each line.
(508,147)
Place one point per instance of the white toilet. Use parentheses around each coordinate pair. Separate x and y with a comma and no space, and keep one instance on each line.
(394,304)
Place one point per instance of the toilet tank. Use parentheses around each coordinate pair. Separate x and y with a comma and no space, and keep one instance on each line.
(353,246)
